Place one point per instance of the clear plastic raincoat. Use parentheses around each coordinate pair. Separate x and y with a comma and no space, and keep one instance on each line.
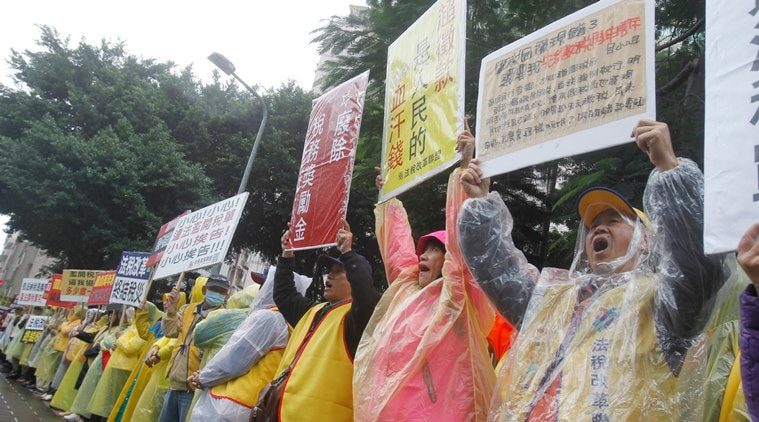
(234,377)
(622,343)
(424,353)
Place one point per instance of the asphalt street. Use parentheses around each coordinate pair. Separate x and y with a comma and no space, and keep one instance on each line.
(17,404)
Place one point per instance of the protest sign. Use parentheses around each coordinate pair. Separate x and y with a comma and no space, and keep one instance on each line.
(31,336)
(731,130)
(76,285)
(324,180)
(202,238)
(162,240)
(32,292)
(129,286)
(424,98)
(36,323)
(101,291)
(577,85)
(53,297)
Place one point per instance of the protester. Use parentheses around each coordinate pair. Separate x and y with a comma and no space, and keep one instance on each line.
(180,324)
(50,357)
(93,324)
(610,338)
(103,343)
(61,345)
(748,258)
(319,382)
(146,400)
(424,354)
(231,381)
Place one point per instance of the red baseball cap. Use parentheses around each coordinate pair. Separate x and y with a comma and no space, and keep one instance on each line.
(422,243)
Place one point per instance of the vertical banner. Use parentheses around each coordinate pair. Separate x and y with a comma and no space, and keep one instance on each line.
(202,238)
(76,285)
(32,292)
(129,286)
(162,240)
(101,291)
(54,293)
(577,85)
(324,181)
(731,127)
(424,98)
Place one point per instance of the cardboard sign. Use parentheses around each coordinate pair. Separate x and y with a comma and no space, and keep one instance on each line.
(130,284)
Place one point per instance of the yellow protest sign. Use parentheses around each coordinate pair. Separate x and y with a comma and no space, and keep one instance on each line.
(424,98)
(76,285)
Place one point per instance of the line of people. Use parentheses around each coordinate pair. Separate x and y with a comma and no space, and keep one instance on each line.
(642,326)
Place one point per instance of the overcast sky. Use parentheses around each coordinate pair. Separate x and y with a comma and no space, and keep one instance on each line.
(268,41)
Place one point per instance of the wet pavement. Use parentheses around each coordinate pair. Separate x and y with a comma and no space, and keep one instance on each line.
(18,404)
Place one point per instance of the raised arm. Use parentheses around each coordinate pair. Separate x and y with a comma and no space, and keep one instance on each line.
(674,202)
(363,293)
(291,304)
(396,244)
(501,270)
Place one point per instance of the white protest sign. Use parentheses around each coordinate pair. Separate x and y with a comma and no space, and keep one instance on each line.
(32,292)
(731,129)
(36,323)
(131,279)
(202,238)
(577,85)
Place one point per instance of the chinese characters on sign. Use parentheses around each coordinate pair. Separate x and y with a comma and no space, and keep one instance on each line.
(32,292)
(76,285)
(131,279)
(54,293)
(577,85)
(162,240)
(101,291)
(731,124)
(321,195)
(36,323)
(202,238)
(424,98)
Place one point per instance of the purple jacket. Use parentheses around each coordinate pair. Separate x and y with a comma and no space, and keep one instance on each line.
(750,349)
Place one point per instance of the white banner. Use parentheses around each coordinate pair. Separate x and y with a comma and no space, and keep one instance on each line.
(36,323)
(32,292)
(130,284)
(731,130)
(202,238)
(577,85)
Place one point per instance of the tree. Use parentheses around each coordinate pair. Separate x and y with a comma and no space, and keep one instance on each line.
(542,196)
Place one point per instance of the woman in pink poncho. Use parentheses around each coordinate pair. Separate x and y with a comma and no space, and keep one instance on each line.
(424,353)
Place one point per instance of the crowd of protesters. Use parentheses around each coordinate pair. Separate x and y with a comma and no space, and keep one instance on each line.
(642,326)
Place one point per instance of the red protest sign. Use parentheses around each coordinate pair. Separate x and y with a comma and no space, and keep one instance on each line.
(54,293)
(162,240)
(101,291)
(321,196)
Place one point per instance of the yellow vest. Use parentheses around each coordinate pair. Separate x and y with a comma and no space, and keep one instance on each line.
(244,390)
(614,365)
(63,334)
(320,385)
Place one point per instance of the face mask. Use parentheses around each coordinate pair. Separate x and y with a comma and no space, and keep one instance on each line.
(214,299)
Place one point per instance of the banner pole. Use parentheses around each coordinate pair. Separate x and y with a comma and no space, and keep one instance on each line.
(147,288)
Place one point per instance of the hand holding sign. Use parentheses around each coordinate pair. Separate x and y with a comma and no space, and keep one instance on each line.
(345,238)
(748,253)
(465,145)
(171,307)
(653,138)
(472,181)
(287,244)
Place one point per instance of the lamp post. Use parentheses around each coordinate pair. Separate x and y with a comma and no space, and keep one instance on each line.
(227,67)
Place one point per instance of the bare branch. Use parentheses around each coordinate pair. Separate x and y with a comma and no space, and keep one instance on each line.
(682,36)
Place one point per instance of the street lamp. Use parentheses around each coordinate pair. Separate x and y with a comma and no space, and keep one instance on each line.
(227,67)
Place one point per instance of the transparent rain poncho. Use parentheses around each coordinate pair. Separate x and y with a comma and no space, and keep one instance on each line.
(263,330)
(623,342)
(424,353)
